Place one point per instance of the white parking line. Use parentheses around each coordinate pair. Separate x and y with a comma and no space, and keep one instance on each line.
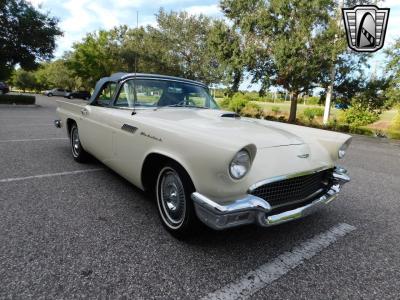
(32,140)
(25,125)
(50,175)
(269,272)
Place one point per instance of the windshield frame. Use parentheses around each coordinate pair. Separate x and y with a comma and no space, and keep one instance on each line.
(213,103)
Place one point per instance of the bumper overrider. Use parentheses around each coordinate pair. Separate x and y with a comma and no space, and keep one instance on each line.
(253,209)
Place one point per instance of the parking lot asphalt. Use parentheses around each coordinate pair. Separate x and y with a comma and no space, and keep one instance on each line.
(88,233)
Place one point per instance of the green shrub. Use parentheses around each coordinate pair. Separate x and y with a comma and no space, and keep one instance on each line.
(361,130)
(224,103)
(311,112)
(252,110)
(394,129)
(313,100)
(251,96)
(276,110)
(358,116)
(282,119)
(238,102)
(17,99)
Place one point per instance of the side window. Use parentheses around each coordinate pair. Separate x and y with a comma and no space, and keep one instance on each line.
(126,96)
(106,94)
(148,92)
(199,98)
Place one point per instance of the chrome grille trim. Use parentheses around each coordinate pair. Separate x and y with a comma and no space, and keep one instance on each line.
(287,176)
(296,189)
(129,128)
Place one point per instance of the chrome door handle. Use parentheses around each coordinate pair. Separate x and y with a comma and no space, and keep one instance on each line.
(84,111)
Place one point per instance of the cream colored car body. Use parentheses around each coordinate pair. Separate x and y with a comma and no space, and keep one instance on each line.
(202,142)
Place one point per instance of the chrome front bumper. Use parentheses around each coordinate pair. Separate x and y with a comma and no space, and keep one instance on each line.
(252,209)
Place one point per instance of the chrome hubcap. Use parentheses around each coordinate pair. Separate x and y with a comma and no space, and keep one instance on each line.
(172,197)
(76,146)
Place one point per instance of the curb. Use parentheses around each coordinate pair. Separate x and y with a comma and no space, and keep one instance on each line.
(19,105)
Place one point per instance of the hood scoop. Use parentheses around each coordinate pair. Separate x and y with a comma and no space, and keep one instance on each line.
(230,115)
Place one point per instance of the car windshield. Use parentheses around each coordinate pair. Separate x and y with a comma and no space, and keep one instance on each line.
(163,93)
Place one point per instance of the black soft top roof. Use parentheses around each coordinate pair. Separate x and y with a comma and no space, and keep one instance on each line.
(117,77)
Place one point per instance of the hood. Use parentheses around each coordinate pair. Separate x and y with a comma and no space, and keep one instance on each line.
(212,122)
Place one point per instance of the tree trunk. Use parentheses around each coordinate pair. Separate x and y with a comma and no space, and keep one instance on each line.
(328,98)
(237,78)
(293,108)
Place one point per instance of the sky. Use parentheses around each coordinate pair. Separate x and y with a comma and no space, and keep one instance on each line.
(78,17)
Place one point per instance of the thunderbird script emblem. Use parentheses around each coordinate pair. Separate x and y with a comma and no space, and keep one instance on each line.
(365,27)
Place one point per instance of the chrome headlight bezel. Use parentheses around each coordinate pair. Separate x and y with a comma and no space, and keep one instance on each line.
(342,150)
(240,164)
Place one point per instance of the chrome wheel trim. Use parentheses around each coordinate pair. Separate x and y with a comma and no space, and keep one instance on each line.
(75,142)
(171,198)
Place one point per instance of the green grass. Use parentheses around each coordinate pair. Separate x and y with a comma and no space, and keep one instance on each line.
(285,107)
(388,115)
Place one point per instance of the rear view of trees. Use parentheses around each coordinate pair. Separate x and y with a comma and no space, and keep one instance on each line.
(290,41)
(292,45)
(26,36)
(178,46)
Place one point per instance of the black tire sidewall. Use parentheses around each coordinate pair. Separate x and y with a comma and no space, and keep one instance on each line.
(82,156)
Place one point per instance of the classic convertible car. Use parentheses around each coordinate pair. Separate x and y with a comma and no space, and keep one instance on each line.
(167,135)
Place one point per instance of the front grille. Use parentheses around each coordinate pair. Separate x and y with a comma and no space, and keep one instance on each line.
(294,190)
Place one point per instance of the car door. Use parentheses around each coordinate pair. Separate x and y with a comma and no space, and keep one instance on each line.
(59,92)
(95,130)
(128,125)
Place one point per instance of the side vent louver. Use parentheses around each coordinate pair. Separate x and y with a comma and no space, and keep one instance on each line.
(129,128)
(230,115)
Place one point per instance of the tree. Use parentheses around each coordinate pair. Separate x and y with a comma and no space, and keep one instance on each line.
(24,80)
(393,69)
(372,96)
(56,74)
(349,77)
(338,47)
(225,43)
(96,56)
(144,50)
(290,41)
(185,38)
(26,36)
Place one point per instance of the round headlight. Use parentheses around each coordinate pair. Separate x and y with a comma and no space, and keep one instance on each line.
(342,149)
(240,164)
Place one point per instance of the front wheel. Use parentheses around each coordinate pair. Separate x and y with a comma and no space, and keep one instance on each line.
(49,95)
(78,153)
(175,206)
